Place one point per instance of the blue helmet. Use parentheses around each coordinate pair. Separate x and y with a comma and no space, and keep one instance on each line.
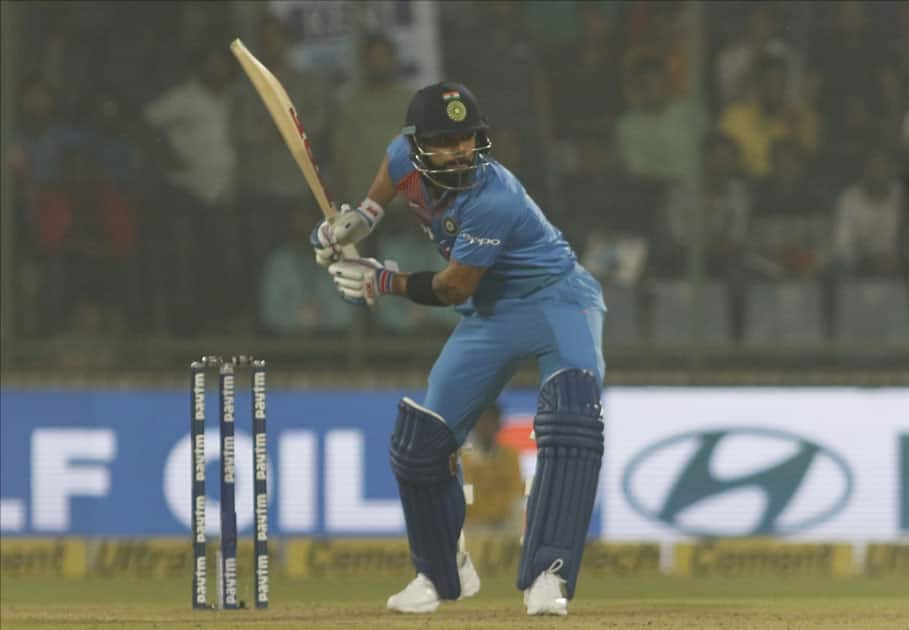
(441,110)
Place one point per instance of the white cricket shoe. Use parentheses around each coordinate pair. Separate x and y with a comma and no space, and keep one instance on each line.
(546,595)
(417,597)
(420,595)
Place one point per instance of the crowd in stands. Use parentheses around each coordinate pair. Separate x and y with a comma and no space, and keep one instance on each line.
(743,143)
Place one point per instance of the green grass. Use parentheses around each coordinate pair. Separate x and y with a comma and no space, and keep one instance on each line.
(650,603)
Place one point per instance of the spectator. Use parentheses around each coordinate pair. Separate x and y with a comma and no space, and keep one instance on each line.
(660,29)
(194,222)
(849,64)
(791,226)
(590,65)
(117,168)
(756,123)
(108,118)
(851,127)
(727,210)
(891,95)
(735,62)
(35,156)
(96,250)
(513,89)
(658,138)
(361,129)
(868,216)
(296,296)
(723,228)
(269,179)
(494,471)
(864,92)
(608,214)
(105,200)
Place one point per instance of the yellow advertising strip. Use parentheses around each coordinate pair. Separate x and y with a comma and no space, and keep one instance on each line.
(33,557)
(760,557)
(171,558)
(621,559)
(320,557)
(887,560)
(154,557)
(140,557)
(492,556)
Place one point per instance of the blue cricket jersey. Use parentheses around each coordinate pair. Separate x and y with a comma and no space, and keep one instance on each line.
(495,225)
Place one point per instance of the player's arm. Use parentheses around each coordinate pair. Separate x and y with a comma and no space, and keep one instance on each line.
(382,190)
(363,280)
(352,225)
(355,224)
(453,285)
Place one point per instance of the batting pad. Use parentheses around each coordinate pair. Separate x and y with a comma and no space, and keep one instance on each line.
(569,435)
(422,458)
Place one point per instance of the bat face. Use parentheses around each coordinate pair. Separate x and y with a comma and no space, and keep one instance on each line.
(285,117)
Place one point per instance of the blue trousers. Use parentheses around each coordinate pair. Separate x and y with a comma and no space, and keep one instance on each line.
(561,326)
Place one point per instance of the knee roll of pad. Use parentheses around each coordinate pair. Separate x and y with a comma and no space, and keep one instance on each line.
(569,434)
(422,445)
(422,459)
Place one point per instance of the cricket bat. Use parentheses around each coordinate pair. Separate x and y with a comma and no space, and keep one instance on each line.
(285,117)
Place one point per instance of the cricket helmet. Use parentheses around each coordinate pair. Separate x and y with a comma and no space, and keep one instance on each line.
(440,111)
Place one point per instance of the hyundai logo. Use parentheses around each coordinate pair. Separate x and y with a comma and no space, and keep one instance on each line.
(737,482)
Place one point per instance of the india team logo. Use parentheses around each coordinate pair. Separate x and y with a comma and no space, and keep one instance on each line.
(450,226)
(456,111)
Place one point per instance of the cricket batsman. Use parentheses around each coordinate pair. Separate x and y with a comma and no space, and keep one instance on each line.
(521,293)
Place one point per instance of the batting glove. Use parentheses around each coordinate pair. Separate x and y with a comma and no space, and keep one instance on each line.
(327,249)
(362,280)
(352,225)
(349,227)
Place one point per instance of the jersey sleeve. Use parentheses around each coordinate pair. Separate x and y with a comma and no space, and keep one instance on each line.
(483,232)
(399,165)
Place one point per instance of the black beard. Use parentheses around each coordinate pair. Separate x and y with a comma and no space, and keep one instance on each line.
(457,179)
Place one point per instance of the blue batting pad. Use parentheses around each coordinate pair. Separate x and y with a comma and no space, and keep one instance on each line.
(422,458)
(569,434)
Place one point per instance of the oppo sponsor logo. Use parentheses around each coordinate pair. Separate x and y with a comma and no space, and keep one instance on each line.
(737,482)
(479,240)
